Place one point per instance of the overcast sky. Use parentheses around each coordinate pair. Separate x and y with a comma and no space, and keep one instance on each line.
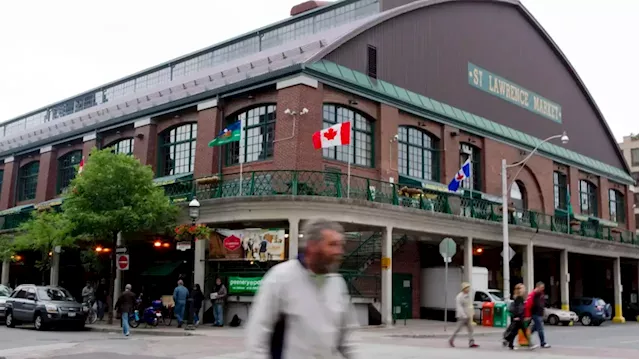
(52,50)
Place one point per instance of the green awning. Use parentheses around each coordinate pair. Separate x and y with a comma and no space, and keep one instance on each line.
(161,270)
(50,203)
(162,181)
(422,183)
(17,209)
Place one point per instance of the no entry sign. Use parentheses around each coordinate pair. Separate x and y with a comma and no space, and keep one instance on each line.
(123,262)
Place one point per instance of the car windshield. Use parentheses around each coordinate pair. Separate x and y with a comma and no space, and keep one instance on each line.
(4,291)
(57,294)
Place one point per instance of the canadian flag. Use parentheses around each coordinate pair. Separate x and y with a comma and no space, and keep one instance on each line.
(336,135)
(81,166)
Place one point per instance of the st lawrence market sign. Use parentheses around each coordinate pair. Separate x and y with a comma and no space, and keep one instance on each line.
(511,92)
(244,285)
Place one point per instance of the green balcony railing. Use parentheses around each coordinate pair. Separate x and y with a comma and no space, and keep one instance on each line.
(332,184)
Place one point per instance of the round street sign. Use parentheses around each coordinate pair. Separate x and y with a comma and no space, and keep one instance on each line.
(447,248)
(123,262)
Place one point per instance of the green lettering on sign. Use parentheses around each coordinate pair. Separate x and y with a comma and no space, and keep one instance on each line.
(244,285)
(510,92)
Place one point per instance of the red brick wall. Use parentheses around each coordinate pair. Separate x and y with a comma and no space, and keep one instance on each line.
(47,176)
(407,260)
(206,161)
(8,195)
(145,145)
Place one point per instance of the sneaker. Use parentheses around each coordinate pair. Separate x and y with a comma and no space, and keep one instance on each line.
(546,346)
(512,348)
(451,343)
(534,346)
(473,345)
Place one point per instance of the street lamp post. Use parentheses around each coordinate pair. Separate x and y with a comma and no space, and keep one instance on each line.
(194,213)
(506,275)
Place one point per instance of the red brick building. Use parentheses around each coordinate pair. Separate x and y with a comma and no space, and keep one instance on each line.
(427,85)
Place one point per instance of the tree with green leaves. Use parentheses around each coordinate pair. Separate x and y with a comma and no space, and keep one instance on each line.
(7,247)
(115,193)
(42,233)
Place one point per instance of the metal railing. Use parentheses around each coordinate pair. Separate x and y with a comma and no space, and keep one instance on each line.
(332,184)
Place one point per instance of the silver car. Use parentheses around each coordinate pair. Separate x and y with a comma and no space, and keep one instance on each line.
(5,292)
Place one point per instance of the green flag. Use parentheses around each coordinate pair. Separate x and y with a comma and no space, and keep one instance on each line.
(569,207)
(229,134)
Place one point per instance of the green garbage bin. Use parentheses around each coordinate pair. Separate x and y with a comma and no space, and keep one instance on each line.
(500,315)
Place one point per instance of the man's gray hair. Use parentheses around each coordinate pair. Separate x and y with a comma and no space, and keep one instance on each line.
(312,230)
(127,287)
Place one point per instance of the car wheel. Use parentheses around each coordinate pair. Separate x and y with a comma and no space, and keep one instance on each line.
(585,320)
(38,322)
(553,320)
(8,320)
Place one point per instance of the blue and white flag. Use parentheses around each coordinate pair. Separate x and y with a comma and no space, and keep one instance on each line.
(463,174)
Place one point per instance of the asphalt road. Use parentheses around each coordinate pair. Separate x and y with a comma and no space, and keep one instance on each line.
(608,341)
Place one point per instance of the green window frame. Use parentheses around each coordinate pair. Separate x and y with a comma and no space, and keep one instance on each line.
(418,154)
(124,145)
(258,133)
(560,190)
(67,169)
(177,149)
(617,210)
(361,146)
(1,180)
(467,151)
(588,198)
(28,181)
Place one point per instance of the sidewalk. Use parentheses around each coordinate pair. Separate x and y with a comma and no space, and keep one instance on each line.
(414,328)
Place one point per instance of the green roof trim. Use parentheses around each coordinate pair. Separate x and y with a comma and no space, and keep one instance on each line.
(441,112)
(17,209)
(163,181)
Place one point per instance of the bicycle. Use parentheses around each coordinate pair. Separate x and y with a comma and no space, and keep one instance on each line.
(92,315)
(167,315)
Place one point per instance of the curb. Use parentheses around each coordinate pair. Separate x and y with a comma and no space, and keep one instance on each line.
(149,332)
(438,335)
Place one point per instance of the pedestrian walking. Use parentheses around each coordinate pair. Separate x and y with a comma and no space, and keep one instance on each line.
(180,296)
(219,297)
(197,296)
(125,306)
(302,309)
(534,309)
(464,315)
(518,322)
(101,297)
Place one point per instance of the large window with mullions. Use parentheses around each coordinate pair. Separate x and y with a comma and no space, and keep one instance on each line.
(361,147)
(122,146)
(67,165)
(177,149)
(257,135)
(28,181)
(418,154)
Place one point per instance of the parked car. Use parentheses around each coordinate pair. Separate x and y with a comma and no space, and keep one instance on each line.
(555,316)
(591,311)
(482,296)
(44,306)
(5,292)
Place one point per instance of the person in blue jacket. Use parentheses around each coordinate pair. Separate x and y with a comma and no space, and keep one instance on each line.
(180,295)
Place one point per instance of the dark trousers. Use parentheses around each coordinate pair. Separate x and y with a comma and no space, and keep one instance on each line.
(512,331)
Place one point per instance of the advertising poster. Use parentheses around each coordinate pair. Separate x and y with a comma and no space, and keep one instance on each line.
(248,244)
(244,285)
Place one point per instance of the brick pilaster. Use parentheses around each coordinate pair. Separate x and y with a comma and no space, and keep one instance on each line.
(8,197)
(89,142)
(145,142)
(574,187)
(47,175)
(209,121)
(386,146)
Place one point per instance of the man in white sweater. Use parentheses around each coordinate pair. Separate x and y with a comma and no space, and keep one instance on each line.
(464,314)
(302,309)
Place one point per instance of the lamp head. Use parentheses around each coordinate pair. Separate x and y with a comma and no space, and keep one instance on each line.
(564,138)
(194,209)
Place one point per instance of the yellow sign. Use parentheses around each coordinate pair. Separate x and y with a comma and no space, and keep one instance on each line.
(385,263)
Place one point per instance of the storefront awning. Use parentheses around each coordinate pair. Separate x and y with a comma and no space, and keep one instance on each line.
(17,209)
(50,203)
(424,184)
(161,270)
(162,181)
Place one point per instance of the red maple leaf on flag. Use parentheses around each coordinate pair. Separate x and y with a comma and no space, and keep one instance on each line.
(459,177)
(330,134)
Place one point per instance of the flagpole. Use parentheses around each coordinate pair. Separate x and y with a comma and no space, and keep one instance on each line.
(349,164)
(242,152)
(568,199)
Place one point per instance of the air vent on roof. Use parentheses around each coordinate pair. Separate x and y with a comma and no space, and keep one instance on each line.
(307,6)
(372,61)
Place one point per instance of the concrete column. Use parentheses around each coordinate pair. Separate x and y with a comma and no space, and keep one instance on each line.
(6,265)
(468,260)
(54,272)
(527,266)
(294,231)
(617,295)
(386,308)
(564,279)
(199,264)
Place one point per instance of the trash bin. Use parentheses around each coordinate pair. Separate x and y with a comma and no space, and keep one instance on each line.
(487,314)
(500,315)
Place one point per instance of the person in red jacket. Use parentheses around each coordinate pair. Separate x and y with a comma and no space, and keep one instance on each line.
(534,309)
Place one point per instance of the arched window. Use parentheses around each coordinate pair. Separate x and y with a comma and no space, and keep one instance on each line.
(361,146)
(257,135)
(475,181)
(122,146)
(28,181)
(418,154)
(616,206)
(519,198)
(67,169)
(588,198)
(178,149)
